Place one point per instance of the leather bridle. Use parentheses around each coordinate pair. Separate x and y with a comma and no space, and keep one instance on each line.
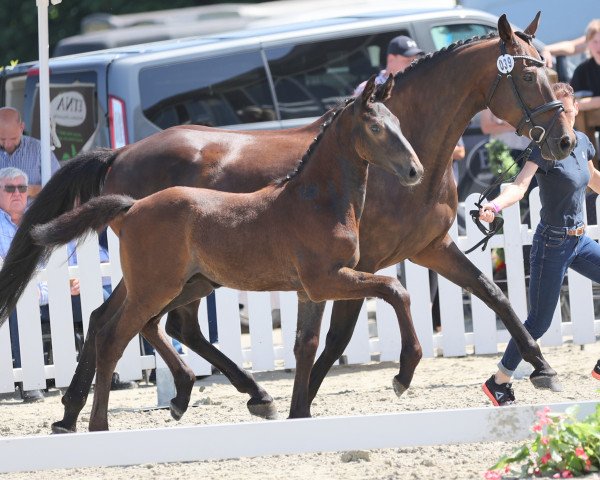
(527,119)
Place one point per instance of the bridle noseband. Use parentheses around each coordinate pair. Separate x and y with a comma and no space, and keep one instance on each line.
(505,65)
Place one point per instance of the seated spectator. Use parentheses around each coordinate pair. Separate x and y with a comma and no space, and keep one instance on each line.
(13,202)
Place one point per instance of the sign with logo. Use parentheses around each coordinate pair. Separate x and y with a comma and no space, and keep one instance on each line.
(72,117)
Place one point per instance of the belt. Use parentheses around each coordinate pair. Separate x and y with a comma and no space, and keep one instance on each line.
(576,232)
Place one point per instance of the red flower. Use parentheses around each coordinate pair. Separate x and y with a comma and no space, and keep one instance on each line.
(546,457)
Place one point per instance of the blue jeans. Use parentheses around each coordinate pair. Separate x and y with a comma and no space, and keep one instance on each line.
(552,252)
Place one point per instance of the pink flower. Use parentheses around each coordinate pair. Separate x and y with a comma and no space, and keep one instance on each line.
(567,474)
(537,427)
(556,475)
(580,452)
(543,416)
(507,468)
(492,475)
(545,440)
(545,458)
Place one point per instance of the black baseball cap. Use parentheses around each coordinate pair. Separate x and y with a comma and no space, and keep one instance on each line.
(405,46)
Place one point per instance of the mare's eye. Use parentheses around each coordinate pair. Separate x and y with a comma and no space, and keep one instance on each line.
(375,128)
(528,77)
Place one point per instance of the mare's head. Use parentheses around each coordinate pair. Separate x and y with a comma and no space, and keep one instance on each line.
(522,95)
(377,136)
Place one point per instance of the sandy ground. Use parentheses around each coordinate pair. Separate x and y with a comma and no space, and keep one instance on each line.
(348,390)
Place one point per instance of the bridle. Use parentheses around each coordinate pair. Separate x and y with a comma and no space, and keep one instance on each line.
(505,65)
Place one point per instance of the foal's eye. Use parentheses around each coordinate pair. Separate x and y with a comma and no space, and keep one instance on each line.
(528,77)
(375,128)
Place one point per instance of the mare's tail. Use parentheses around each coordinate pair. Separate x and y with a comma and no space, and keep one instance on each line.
(82,221)
(75,182)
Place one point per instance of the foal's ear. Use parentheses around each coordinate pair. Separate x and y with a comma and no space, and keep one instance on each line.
(368,91)
(504,29)
(533,26)
(385,91)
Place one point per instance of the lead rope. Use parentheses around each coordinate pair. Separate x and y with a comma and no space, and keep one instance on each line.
(498,221)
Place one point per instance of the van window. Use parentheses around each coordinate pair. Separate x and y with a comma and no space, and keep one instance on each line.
(310,78)
(444,35)
(227,90)
(76,118)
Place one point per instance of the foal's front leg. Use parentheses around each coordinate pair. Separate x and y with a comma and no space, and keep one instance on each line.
(446,259)
(349,284)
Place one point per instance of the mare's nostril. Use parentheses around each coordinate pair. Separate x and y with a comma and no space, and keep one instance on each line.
(412,173)
(565,144)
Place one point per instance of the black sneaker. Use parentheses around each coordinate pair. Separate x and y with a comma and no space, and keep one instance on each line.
(117,384)
(500,395)
(596,371)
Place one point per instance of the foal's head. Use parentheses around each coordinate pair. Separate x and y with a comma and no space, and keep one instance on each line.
(377,136)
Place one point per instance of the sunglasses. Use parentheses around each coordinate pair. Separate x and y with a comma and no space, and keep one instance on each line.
(14,188)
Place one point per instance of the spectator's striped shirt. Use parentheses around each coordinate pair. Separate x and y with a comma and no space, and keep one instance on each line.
(28,157)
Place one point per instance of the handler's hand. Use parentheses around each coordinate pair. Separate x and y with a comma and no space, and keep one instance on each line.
(486,213)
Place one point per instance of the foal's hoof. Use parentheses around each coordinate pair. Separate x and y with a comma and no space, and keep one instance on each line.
(176,411)
(546,382)
(60,427)
(398,387)
(262,409)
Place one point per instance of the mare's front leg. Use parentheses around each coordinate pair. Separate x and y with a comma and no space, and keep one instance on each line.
(183,375)
(182,324)
(349,284)
(308,330)
(446,259)
(76,395)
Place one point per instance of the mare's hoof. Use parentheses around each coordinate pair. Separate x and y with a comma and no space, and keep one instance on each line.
(262,409)
(59,427)
(398,387)
(176,411)
(546,382)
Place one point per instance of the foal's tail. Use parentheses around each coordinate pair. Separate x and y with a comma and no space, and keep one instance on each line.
(82,221)
(75,182)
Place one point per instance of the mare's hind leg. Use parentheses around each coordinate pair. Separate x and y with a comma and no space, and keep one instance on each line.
(446,259)
(182,324)
(349,284)
(76,395)
(183,375)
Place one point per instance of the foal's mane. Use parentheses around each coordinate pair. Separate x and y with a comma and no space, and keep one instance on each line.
(331,116)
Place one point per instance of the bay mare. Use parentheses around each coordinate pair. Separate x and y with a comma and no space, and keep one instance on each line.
(434,100)
(298,234)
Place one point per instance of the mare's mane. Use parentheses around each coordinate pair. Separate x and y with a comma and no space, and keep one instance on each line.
(331,116)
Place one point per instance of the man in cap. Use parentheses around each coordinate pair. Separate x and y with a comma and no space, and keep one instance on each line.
(401,52)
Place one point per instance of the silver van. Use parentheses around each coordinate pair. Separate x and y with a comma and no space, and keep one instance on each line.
(273,77)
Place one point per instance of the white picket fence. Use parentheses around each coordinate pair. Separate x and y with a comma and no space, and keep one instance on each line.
(265,349)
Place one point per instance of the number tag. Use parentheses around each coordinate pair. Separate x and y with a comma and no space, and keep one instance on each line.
(505,63)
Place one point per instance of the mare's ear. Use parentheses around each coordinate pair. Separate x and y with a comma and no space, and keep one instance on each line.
(385,91)
(533,26)
(504,29)
(368,91)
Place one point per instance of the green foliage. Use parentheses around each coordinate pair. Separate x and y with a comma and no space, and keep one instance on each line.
(500,158)
(562,448)
(18,35)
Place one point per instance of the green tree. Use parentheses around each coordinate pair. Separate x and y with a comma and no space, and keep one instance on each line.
(19,32)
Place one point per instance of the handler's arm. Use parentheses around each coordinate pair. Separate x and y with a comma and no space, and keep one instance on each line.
(511,194)
(594,182)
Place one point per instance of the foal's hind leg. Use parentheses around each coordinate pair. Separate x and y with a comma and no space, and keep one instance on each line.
(446,259)
(182,324)
(183,375)
(76,395)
